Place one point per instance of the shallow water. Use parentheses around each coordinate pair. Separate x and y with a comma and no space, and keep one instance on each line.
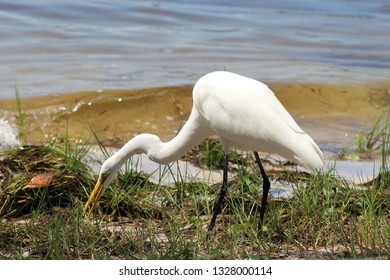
(332,115)
(70,46)
(328,62)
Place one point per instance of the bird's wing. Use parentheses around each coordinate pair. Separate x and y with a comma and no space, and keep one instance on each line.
(247,115)
(235,105)
(225,99)
(283,113)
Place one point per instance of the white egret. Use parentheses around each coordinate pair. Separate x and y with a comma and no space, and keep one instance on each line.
(243,112)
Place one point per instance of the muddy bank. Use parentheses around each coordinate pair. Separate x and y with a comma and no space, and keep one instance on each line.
(332,114)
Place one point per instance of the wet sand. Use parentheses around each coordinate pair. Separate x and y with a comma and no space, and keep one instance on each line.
(332,114)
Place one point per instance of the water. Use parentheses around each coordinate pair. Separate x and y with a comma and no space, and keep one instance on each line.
(68,46)
(334,56)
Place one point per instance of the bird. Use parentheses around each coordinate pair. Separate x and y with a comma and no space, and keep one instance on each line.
(244,113)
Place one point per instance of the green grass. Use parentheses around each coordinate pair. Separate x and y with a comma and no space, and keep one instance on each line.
(370,137)
(327,218)
(371,142)
(136,219)
(209,154)
(21,116)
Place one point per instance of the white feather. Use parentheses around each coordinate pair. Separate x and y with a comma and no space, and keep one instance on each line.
(244,112)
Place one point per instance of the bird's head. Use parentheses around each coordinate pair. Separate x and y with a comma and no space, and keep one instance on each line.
(107,173)
(143,143)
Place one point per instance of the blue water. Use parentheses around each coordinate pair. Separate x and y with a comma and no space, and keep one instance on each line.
(67,46)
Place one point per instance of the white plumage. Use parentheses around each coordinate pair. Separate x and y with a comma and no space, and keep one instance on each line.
(243,112)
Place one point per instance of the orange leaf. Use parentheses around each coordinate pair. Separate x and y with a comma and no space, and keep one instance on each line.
(39,181)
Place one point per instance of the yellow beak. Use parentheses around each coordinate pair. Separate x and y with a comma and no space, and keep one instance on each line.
(95,196)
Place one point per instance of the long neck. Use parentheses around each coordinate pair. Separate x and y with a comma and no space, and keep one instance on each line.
(195,130)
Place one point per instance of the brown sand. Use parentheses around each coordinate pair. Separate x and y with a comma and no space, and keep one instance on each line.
(117,115)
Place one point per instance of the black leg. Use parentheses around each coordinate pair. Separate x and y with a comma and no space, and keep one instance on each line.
(266,186)
(224,187)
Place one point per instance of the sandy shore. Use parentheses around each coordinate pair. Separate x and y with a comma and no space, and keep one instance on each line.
(332,114)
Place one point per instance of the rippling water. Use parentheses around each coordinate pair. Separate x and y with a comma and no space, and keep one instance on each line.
(67,46)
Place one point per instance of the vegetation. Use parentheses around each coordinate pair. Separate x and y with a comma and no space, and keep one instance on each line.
(372,139)
(43,190)
(21,115)
(326,218)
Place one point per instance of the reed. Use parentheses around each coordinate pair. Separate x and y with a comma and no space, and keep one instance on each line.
(21,116)
(371,137)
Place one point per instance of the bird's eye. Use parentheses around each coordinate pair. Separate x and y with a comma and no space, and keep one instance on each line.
(104,176)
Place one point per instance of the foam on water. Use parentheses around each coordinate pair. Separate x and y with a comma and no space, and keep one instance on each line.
(8,138)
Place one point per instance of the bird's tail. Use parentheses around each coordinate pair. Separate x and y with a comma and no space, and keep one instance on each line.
(309,154)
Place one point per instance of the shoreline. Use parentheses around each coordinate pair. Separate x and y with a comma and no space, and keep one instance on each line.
(331,114)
